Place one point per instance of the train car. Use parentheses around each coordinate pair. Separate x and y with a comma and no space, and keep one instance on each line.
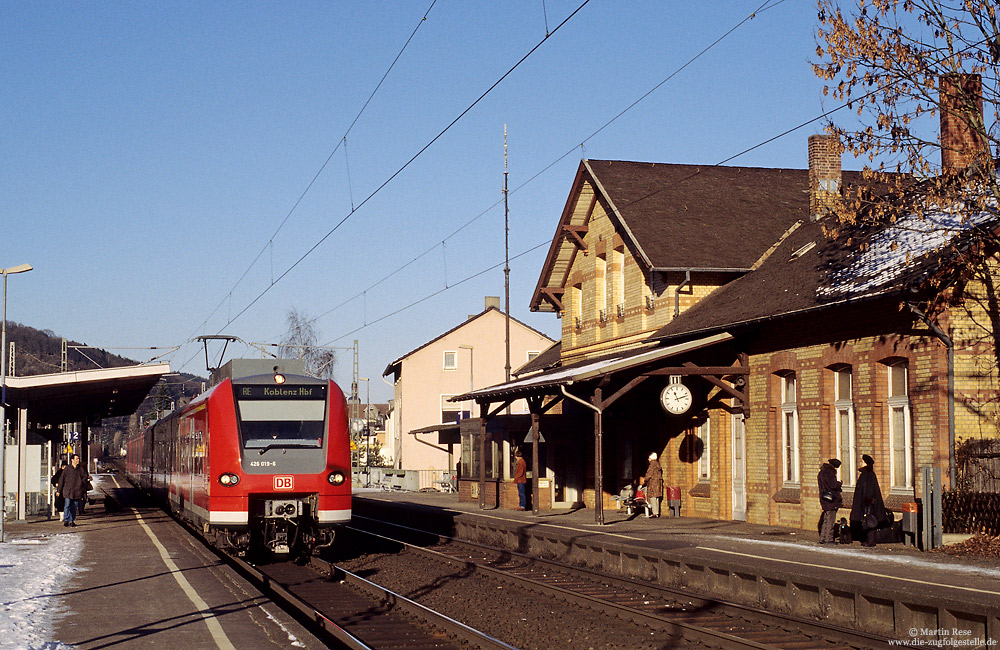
(260,460)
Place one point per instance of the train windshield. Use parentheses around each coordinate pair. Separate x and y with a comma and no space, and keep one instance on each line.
(286,416)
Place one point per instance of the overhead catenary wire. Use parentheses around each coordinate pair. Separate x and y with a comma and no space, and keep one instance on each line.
(319,172)
(765,6)
(405,165)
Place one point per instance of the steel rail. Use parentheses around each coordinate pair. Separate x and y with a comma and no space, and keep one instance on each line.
(412,607)
(743,613)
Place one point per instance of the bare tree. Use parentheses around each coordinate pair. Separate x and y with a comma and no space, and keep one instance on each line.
(301,341)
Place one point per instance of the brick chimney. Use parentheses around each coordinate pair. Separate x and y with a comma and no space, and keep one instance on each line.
(824,174)
(961,97)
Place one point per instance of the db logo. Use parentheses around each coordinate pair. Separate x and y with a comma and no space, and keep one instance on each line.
(283,483)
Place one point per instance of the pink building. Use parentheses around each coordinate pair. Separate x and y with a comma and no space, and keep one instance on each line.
(469,356)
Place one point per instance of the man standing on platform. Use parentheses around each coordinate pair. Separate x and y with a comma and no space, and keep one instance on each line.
(72,487)
(521,480)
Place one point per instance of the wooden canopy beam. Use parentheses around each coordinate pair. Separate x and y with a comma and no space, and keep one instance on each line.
(554,296)
(575,234)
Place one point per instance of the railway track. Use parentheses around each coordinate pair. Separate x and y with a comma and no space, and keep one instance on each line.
(674,612)
(357,613)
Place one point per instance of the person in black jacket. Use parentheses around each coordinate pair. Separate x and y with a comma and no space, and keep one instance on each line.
(867,509)
(60,502)
(72,486)
(831,499)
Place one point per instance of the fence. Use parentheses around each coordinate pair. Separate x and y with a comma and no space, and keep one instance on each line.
(971,512)
(412,480)
(977,465)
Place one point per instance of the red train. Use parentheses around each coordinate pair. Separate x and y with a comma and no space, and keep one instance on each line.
(259,460)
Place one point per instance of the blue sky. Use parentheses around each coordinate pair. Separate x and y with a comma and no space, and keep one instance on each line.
(152,150)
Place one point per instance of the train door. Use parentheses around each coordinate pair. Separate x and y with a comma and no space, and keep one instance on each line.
(189,473)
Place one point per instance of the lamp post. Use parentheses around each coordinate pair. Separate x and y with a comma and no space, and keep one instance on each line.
(3,394)
(470,348)
(367,430)
(482,442)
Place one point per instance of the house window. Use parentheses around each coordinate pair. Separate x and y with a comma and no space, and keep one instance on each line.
(532,354)
(843,407)
(451,412)
(705,461)
(789,430)
(451,360)
(601,297)
(616,283)
(900,433)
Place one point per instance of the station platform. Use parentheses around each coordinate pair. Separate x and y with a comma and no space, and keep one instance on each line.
(128,579)
(893,590)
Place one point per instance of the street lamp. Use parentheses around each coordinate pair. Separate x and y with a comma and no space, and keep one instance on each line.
(3,392)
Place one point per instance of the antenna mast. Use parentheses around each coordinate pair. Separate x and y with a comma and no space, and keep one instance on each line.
(506,257)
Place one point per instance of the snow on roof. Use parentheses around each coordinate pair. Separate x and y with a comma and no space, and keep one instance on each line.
(896,249)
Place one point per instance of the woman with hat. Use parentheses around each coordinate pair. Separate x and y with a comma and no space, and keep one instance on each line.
(831,499)
(867,509)
(653,481)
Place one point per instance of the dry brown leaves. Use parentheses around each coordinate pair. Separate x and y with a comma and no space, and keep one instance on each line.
(977,546)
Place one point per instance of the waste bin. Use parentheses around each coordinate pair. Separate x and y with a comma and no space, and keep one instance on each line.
(674,500)
(911,524)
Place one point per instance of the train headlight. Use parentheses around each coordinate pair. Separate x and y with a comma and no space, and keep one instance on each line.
(336,478)
(228,479)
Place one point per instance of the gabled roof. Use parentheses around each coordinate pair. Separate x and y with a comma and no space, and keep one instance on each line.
(681,217)
(394,366)
(807,271)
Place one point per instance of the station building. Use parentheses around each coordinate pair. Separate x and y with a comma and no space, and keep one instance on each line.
(797,340)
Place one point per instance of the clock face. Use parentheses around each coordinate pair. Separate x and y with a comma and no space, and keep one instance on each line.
(676,398)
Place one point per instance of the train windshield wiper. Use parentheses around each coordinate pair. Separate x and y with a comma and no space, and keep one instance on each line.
(270,447)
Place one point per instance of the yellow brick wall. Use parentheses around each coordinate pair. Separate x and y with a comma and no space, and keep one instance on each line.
(977,412)
(595,271)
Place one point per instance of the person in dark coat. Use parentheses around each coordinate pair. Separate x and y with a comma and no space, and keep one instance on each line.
(868,509)
(60,502)
(653,482)
(521,480)
(72,486)
(831,499)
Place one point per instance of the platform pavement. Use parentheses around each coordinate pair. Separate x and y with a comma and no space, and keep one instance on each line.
(959,584)
(136,580)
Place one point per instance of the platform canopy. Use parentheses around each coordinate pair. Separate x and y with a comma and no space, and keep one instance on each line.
(84,395)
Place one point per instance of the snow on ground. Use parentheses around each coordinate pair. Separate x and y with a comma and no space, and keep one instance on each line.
(34,573)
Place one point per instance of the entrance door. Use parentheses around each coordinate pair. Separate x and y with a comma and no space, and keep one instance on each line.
(567,474)
(739,468)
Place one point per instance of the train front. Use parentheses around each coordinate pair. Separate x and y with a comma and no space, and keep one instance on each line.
(295,460)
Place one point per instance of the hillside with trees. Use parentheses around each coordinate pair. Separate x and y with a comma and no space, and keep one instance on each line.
(39,352)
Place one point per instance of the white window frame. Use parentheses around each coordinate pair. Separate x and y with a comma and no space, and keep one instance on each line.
(789,438)
(450,407)
(900,404)
(601,298)
(454,357)
(618,278)
(531,354)
(705,462)
(843,408)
